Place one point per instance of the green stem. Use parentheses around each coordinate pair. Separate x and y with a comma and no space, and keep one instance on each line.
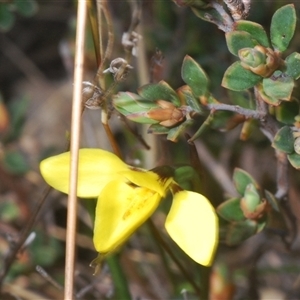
(119,278)
(202,128)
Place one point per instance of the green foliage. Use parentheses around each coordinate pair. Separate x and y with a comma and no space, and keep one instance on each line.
(294,159)
(17,111)
(284,140)
(260,67)
(241,180)
(249,41)
(283,26)
(15,163)
(255,30)
(279,86)
(240,231)
(287,111)
(293,65)
(248,214)
(194,76)
(237,40)
(230,210)
(160,91)
(26,8)
(237,78)
(134,107)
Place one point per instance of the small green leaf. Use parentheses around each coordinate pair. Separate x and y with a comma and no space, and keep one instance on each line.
(268,99)
(237,78)
(256,31)
(230,210)
(134,107)
(175,132)
(251,198)
(17,111)
(186,95)
(287,111)
(279,86)
(6,17)
(242,99)
(237,40)
(272,200)
(159,91)
(294,159)
(293,65)
(276,223)
(242,179)
(208,14)
(158,129)
(194,76)
(26,8)
(188,178)
(9,211)
(283,25)
(240,231)
(15,163)
(284,140)
(223,120)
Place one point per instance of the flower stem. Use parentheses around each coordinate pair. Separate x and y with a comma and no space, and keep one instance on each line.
(166,247)
(119,278)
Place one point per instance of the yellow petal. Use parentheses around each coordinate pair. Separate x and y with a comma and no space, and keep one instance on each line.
(96,168)
(121,209)
(193,224)
(148,179)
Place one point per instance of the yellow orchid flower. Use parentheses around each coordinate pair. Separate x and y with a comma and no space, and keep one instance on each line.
(127,197)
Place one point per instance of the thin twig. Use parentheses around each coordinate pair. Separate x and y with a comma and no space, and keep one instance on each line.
(24,234)
(216,169)
(248,113)
(227,23)
(74,149)
(105,56)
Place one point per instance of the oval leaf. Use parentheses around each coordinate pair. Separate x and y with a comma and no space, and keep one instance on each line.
(268,99)
(287,111)
(238,232)
(256,31)
(242,179)
(237,78)
(294,159)
(237,40)
(284,140)
(283,26)
(279,86)
(194,76)
(159,91)
(187,97)
(134,107)
(293,65)
(230,210)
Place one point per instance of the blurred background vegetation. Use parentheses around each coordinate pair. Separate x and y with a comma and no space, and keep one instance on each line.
(36,65)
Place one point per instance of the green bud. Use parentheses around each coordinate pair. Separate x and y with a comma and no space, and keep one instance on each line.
(252,57)
(260,60)
(252,197)
(134,107)
(252,205)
